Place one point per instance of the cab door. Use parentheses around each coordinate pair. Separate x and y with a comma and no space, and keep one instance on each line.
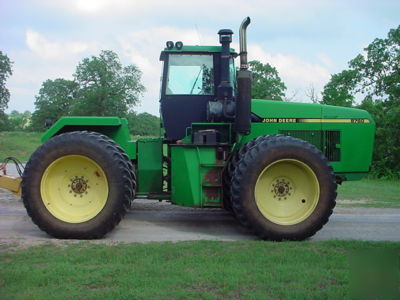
(188,85)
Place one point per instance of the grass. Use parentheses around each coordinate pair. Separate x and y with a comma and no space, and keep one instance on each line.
(184,270)
(21,144)
(370,193)
(18,144)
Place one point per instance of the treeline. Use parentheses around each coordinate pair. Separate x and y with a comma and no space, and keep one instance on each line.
(101,86)
(140,124)
(16,121)
(374,78)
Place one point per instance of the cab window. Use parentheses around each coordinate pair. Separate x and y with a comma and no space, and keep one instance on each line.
(232,74)
(190,74)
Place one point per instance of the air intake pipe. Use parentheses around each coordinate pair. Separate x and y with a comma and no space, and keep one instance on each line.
(243,104)
(225,88)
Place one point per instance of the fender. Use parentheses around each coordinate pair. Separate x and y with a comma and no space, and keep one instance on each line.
(114,127)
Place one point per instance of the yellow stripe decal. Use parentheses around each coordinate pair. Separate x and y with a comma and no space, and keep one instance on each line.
(299,120)
(333,121)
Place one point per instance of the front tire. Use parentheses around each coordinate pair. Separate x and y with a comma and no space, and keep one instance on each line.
(77,185)
(283,188)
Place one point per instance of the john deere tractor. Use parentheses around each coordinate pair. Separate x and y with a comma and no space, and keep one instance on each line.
(274,165)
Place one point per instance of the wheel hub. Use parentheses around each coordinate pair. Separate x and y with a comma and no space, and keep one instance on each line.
(79,185)
(281,188)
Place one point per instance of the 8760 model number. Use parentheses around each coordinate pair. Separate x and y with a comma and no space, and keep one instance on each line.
(357,120)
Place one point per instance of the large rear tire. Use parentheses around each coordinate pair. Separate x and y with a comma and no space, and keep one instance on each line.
(283,188)
(78,185)
(228,173)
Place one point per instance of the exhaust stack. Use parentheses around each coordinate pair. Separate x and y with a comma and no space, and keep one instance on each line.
(243,43)
(243,104)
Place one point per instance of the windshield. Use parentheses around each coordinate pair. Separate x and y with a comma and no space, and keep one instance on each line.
(190,75)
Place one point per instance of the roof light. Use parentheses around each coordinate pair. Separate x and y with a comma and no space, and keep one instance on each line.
(170,45)
(178,45)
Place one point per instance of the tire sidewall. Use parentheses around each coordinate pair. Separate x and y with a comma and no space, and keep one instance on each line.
(72,144)
(258,159)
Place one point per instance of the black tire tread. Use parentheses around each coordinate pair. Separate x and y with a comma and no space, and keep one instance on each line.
(228,172)
(118,159)
(242,165)
(128,162)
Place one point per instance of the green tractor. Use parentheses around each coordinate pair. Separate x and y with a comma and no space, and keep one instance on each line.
(274,165)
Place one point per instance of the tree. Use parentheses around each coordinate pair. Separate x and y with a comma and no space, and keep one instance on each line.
(379,79)
(4,125)
(106,88)
(266,82)
(379,67)
(5,72)
(339,90)
(55,99)
(387,146)
(143,124)
(374,76)
(101,87)
(19,121)
(312,94)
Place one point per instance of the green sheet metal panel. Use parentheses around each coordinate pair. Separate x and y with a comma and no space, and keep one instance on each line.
(356,138)
(149,166)
(356,142)
(281,109)
(195,175)
(356,146)
(113,127)
(347,134)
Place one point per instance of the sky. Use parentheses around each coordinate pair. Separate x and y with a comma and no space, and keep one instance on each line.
(306,41)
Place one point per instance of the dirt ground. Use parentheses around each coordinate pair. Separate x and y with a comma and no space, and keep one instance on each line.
(151,221)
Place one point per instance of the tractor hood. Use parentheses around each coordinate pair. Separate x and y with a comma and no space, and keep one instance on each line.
(270,110)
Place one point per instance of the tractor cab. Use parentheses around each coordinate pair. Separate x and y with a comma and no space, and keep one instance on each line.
(191,76)
(198,85)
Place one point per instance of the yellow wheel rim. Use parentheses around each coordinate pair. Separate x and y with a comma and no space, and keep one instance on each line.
(287,192)
(74,188)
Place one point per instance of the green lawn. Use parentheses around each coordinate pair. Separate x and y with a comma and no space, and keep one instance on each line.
(370,193)
(18,144)
(185,270)
(21,144)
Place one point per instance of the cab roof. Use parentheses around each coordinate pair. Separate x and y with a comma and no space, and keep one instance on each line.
(195,49)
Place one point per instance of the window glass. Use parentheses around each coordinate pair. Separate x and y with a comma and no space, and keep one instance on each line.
(232,74)
(190,75)
(161,79)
